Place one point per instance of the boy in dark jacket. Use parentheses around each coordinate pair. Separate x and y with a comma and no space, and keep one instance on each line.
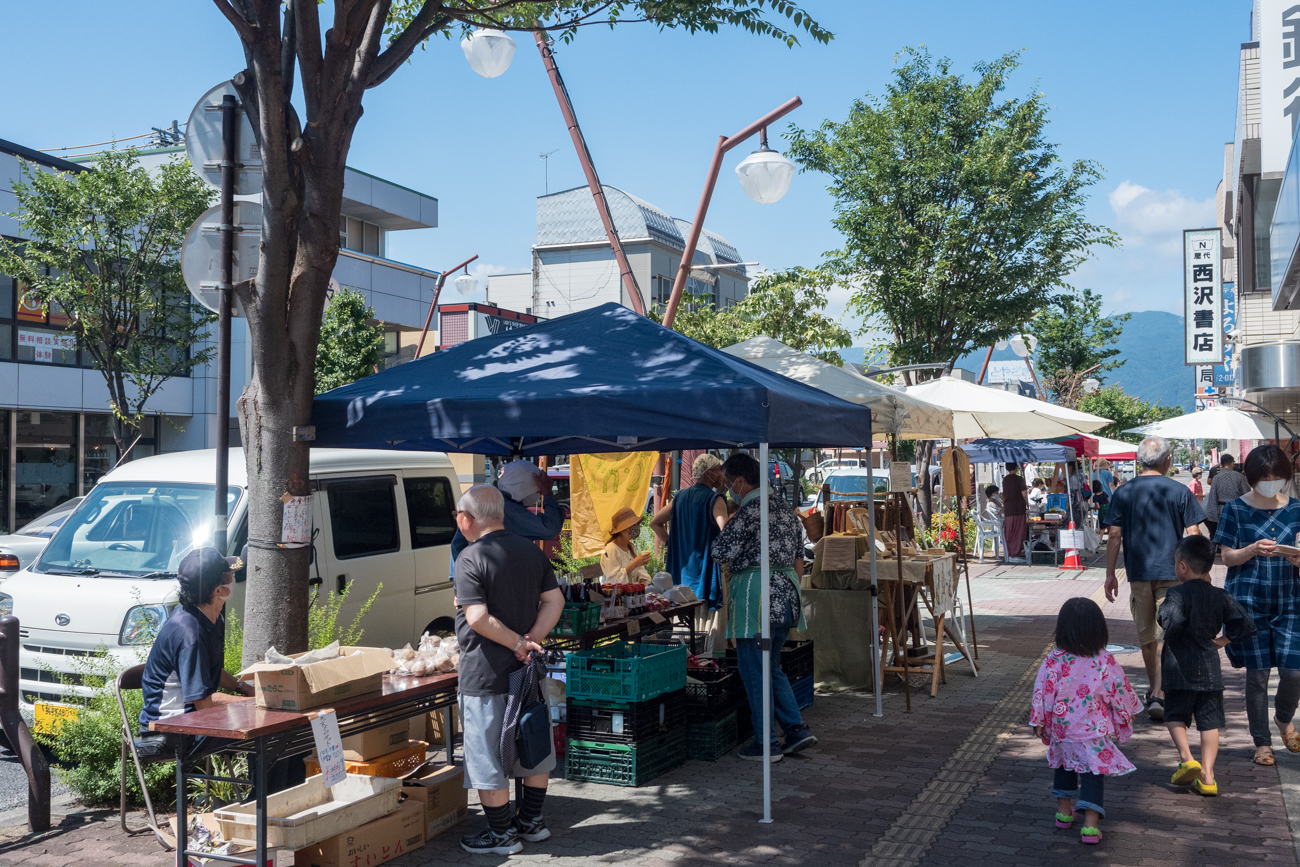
(1192,616)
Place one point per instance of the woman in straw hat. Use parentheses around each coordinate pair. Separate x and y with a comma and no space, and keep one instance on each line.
(620,563)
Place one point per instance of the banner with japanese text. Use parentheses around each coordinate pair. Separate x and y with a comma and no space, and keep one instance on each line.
(1203,288)
(600,485)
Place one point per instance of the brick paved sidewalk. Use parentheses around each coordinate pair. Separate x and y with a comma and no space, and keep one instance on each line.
(832,804)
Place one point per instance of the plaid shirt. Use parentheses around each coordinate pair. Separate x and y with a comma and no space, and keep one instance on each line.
(1266,587)
(738,543)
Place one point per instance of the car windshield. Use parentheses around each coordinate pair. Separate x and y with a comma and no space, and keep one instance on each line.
(853,486)
(133,528)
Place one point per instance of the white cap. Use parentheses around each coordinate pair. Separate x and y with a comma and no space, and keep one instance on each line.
(519,482)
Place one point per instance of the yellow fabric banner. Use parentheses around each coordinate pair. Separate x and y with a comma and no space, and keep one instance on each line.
(600,485)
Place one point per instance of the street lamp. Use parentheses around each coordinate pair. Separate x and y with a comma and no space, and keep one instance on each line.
(765,174)
(466,284)
(1023,344)
(1091,385)
(489,52)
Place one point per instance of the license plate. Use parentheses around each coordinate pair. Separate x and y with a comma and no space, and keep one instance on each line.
(50,716)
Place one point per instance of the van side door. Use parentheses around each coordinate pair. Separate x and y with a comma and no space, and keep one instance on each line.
(363,546)
(431,498)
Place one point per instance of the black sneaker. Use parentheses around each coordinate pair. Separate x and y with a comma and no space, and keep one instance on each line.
(798,739)
(486,842)
(754,752)
(534,831)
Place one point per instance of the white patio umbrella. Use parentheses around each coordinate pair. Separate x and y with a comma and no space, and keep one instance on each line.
(1215,423)
(979,412)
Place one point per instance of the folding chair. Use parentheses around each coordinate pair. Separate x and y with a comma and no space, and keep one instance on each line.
(155,749)
(989,530)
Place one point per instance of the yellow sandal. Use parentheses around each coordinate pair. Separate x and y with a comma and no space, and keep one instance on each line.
(1290,738)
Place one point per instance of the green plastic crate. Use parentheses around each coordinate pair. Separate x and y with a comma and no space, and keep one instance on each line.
(625,764)
(578,618)
(626,672)
(710,741)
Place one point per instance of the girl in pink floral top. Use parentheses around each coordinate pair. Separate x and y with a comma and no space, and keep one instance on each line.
(1083,710)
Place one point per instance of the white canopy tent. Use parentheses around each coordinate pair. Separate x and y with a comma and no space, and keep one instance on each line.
(980,412)
(892,412)
(1215,423)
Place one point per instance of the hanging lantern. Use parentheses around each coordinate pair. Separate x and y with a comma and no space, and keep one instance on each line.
(489,52)
(765,175)
(466,285)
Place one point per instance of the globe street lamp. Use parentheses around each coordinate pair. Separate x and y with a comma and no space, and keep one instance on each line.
(466,284)
(1091,385)
(437,290)
(489,52)
(764,175)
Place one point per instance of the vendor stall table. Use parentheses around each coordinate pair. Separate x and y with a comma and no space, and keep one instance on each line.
(624,629)
(271,735)
(1045,528)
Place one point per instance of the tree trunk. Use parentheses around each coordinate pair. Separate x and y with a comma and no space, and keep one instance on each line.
(924,497)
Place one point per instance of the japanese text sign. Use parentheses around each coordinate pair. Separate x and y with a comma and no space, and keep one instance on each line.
(44,343)
(1203,288)
(329,747)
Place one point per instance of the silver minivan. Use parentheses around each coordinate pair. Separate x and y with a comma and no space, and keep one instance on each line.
(106,578)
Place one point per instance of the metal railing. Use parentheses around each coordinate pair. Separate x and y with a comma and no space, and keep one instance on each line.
(20,738)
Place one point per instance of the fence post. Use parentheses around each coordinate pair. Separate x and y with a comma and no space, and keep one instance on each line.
(20,738)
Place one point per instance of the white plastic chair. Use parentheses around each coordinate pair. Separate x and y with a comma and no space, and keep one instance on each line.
(989,530)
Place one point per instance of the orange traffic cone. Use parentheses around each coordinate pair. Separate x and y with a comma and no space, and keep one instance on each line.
(1072,560)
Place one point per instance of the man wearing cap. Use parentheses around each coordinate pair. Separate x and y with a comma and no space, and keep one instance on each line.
(688,525)
(184,670)
(524,485)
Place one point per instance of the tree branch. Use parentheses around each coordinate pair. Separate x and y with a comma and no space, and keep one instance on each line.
(427,21)
(288,50)
(247,32)
(307,43)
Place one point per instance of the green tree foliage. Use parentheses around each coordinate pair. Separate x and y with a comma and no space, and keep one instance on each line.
(1125,411)
(1073,339)
(104,253)
(787,306)
(350,342)
(958,218)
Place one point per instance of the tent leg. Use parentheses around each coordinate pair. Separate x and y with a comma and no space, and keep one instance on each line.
(903,620)
(965,565)
(875,589)
(765,644)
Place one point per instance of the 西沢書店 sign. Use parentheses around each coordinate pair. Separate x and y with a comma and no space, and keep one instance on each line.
(1203,291)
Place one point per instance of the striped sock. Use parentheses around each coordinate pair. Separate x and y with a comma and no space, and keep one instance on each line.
(498,818)
(531,807)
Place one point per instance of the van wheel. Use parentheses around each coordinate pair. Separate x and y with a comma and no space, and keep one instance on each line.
(441,624)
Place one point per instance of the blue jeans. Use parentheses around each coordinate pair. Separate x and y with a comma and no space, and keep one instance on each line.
(1090,789)
(750,661)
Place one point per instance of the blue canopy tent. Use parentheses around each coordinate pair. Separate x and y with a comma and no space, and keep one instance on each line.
(602,380)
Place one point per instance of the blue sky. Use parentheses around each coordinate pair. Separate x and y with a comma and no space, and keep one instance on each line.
(1147,90)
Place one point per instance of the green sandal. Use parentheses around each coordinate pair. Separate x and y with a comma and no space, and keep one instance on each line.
(1090,836)
(1064,820)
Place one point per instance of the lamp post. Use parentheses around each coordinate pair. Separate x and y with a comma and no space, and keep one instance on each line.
(764,175)
(437,290)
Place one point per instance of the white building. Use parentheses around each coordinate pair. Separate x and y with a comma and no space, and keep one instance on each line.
(54,416)
(574,267)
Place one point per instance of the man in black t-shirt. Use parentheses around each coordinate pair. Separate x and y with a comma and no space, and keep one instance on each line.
(507,601)
(1149,514)
(184,668)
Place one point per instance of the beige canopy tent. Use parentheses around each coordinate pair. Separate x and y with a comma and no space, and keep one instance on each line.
(980,412)
(893,412)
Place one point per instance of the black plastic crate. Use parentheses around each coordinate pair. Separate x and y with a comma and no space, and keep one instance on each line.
(625,722)
(803,692)
(710,741)
(710,693)
(796,660)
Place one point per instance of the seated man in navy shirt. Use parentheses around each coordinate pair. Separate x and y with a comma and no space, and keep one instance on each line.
(184,669)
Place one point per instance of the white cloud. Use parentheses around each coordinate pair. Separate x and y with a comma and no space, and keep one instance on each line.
(1152,218)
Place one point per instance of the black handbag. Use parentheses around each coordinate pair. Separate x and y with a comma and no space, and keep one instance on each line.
(533,737)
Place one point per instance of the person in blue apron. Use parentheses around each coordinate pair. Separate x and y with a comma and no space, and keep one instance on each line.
(738,546)
(1266,584)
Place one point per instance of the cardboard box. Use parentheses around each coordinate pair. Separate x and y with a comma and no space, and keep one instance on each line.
(444,796)
(373,843)
(395,764)
(376,742)
(433,724)
(308,686)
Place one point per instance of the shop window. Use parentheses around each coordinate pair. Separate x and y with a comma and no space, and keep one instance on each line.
(46,468)
(99,449)
(363,516)
(429,510)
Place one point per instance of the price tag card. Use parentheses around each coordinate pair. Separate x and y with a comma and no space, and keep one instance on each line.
(633,627)
(593,596)
(656,617)
(900,476)
(329,747)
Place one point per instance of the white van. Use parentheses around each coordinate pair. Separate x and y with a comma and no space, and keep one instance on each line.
(106,576)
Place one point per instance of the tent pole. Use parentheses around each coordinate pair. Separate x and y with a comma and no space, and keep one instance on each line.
(899,503)
(965,565)
(765,645)
(875,587)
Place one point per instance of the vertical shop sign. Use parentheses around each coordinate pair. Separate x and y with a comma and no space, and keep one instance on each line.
(1203,288)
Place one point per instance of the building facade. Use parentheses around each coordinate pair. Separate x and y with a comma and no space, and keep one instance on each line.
(54,407)
(573,265)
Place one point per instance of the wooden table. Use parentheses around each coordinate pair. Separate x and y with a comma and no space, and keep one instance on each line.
(938,593)
(270,735)
(684,614)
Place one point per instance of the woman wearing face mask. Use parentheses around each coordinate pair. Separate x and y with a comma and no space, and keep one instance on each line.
(620,563)
(1265,584)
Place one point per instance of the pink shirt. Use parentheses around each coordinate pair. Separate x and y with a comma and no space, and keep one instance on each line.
(1086,706)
